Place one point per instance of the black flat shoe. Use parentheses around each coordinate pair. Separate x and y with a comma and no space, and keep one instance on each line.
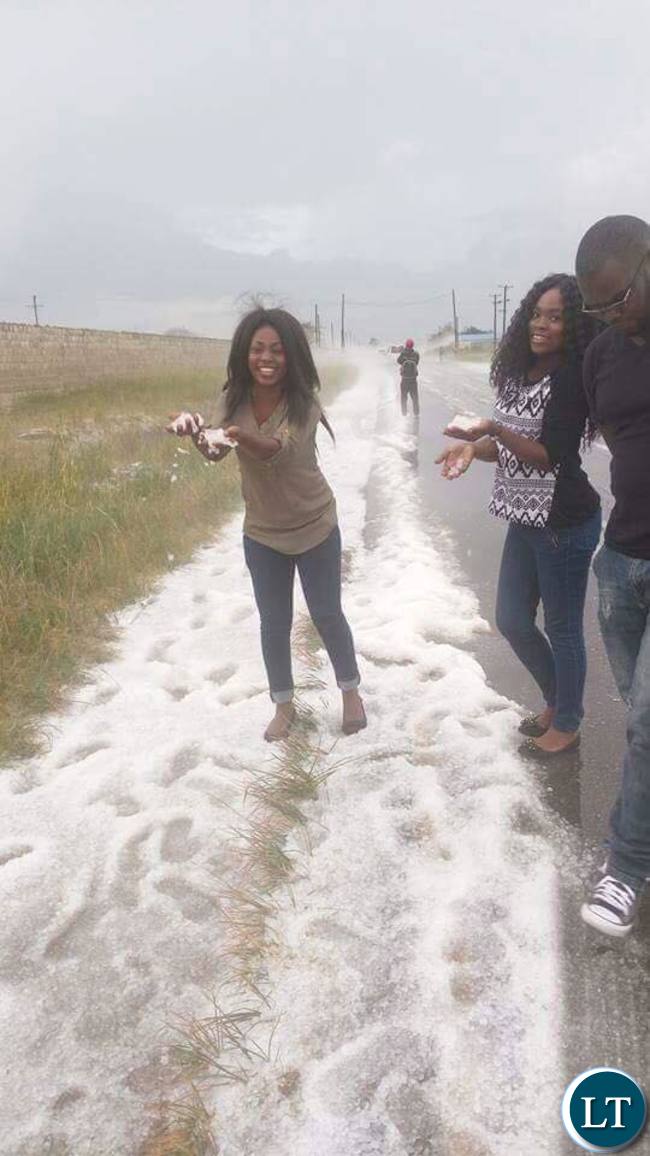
(531,726)
(530,750)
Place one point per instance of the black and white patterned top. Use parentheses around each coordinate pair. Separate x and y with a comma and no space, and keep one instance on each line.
(523,493)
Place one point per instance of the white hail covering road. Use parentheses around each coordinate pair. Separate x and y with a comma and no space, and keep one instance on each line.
(414,975)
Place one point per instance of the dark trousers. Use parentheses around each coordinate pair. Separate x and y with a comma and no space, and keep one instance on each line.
(273,575)
(551,566)
(409,388)
(624,613)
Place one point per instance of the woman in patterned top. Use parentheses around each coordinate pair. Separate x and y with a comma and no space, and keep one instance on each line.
(534,436)
(269,411)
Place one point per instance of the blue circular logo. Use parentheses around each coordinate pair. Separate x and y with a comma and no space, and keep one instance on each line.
(604,1110)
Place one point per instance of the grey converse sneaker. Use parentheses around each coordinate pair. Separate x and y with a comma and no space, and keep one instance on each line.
(612,906)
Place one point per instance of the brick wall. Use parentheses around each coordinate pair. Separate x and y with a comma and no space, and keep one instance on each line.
(48,358)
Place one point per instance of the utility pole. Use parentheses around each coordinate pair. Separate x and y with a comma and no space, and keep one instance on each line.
(495,302)
(35,308)
(343,321)
(505,306)
(332,332)
(453,306)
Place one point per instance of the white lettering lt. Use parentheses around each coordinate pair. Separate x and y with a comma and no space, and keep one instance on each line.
(618,1111)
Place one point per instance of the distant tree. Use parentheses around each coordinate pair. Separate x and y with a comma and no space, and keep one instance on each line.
(374,341)
(442,331)
(179,331)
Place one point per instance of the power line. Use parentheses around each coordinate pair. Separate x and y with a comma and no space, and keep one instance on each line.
(35,305)
(396,304)
(455,315)
(496,300)
(505,306)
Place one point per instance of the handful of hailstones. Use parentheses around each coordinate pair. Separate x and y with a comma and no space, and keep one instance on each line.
(193,424)
(186,424)
(464,421)
(215,438)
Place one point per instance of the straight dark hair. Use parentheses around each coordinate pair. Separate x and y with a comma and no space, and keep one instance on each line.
(301,384)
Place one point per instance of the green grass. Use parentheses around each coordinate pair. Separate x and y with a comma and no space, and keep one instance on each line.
(96,503)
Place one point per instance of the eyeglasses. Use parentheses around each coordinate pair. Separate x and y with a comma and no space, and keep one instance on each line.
(619,304)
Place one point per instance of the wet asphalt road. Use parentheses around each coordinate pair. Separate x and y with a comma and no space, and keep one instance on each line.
(604,1000)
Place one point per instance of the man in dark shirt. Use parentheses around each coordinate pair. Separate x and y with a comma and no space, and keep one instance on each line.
(408,361)
(613,271)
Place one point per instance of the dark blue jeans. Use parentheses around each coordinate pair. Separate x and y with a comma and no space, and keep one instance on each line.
(320,576)
(551,566)
(624,613)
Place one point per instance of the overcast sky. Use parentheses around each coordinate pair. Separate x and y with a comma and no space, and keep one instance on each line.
(161,158)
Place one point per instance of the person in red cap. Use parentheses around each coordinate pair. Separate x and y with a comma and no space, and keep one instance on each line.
(408,362)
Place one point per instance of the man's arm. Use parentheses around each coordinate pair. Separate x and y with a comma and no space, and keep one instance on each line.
(589,384)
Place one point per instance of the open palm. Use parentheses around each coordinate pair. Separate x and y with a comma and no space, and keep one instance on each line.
(456,459)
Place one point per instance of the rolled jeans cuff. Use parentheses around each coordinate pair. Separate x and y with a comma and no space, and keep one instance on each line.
(279,696)
(350,684)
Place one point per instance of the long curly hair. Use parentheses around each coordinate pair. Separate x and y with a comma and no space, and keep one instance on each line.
(514,357)
(301,384)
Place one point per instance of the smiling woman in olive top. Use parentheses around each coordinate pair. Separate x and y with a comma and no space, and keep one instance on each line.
(269,412)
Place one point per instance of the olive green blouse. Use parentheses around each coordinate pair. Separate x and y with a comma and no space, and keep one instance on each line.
(289,505)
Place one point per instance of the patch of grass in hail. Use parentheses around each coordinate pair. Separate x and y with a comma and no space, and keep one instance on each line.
(224,1046)
(188,1130)
(221,1045)
(96,503)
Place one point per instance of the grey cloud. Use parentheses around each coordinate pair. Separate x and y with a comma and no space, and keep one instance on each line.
(162,152)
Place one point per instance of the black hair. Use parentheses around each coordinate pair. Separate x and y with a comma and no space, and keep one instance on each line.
(624,238)
(514,356)
(301,384)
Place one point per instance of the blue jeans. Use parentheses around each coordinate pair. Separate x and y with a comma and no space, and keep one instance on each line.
(551,566)
(273,575)
(624,614)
